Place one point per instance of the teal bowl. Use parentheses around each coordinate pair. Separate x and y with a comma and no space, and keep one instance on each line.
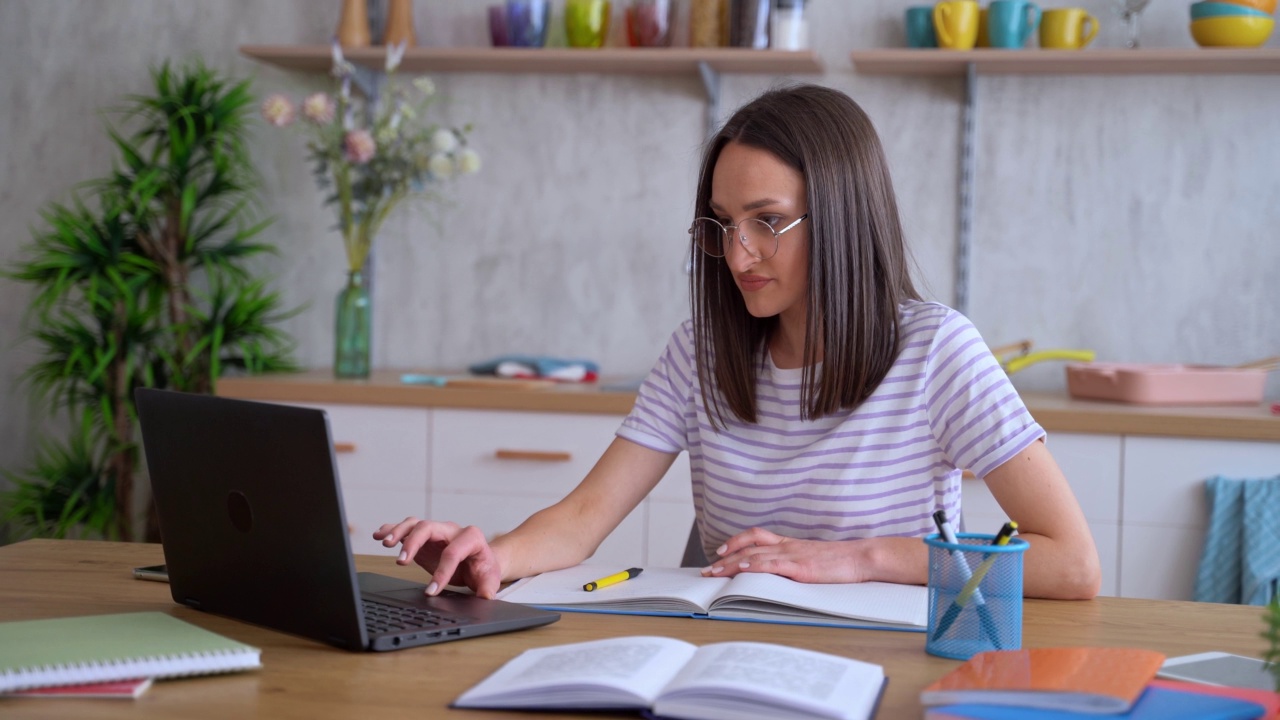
(1221,9)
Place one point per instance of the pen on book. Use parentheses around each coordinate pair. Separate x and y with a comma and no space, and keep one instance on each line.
(1002,538)
(613,579)
(962,567)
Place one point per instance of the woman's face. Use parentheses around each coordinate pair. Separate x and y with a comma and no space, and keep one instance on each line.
(752,183)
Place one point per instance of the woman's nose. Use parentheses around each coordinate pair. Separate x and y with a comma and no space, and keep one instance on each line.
(736,254)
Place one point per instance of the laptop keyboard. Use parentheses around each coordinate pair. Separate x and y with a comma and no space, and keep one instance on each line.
(381,618)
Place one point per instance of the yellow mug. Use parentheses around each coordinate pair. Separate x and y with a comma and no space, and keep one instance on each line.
(1064,28)
(955,22)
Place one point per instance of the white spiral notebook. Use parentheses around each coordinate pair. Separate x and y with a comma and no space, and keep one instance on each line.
(102,648)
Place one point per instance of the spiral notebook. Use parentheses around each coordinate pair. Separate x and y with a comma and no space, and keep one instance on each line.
(103,648)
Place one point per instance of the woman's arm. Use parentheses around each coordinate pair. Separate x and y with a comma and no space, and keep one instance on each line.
(559,536)
(1061,563)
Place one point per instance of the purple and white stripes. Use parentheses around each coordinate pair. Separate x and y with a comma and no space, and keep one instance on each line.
(878,470)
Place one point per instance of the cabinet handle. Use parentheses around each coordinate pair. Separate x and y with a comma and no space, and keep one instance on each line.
(344,447)
(538,455)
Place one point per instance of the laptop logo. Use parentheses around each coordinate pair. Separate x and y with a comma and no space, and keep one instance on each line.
(239,512)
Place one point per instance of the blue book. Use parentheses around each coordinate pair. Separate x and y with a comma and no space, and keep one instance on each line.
(1155,703)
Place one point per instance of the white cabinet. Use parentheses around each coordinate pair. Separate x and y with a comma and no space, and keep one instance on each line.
(1091,464)
(1165,511)
(491,469)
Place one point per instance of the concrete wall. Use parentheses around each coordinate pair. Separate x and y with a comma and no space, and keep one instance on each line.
(1133,215)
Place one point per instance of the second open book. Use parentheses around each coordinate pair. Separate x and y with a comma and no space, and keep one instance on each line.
(756,597)
(673,678)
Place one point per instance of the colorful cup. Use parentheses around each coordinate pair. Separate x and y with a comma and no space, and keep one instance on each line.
(649,23)
(918,24)
(956,23)
(586,22)
(1011,23)
(527,22)
(984,34)
(498,26)
(1064,28)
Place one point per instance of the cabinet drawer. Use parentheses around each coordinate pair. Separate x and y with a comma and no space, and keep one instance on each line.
(514,453)
(379,448)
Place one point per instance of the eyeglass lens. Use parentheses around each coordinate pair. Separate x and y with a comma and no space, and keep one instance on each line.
(755,235)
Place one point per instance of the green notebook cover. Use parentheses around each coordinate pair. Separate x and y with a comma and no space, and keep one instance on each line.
(101,648)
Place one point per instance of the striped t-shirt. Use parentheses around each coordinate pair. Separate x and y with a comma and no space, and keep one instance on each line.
(878,470)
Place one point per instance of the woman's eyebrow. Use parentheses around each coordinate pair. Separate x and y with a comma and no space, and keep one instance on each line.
(753,205)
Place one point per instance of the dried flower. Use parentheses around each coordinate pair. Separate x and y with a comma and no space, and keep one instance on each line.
(369,155)
(358,147)
(444,140)
(319,108)
(441,166)
(278,110)
(468,161)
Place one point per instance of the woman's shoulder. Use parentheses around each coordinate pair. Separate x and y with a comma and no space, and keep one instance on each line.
(926,317)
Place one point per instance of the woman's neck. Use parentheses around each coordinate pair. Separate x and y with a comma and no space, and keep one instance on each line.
(786,346)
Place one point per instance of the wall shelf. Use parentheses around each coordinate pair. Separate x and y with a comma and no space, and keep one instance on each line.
(635,61)
(971,64)
(985,61)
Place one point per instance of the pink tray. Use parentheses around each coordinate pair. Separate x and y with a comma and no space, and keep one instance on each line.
(1166,384)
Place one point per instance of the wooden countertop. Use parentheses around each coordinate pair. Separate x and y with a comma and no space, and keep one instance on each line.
(1052,410)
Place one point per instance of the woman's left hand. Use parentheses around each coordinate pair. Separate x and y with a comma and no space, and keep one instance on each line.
(808,561)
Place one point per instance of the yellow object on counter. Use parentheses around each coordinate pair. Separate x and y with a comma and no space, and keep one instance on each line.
(1015,364)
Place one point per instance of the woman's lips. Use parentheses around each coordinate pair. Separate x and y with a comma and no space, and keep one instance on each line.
(752,283)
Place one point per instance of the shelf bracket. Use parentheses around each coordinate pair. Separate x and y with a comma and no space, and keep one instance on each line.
(968,161)
(710,84)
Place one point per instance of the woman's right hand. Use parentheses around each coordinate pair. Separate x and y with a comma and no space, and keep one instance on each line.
(454,555)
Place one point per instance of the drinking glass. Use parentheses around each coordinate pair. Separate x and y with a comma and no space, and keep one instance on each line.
(586,22)
(527,22)
(1129,11)
(649,23)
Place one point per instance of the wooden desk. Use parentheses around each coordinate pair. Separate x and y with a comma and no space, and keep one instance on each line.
(309,681)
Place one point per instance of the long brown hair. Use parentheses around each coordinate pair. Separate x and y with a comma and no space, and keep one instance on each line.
(859,269)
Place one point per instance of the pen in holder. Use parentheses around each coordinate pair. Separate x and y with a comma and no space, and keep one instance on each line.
(975,595)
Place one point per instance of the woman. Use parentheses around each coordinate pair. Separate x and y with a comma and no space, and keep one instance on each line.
(826,409)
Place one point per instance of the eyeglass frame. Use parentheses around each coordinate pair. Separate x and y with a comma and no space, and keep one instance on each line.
(738,234)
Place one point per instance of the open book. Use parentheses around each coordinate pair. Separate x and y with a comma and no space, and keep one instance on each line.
(672,678)
(757,597)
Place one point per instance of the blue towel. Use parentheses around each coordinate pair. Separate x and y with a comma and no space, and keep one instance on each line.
(1241,559)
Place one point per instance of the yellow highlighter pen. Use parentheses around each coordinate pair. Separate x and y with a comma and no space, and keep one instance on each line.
(613,579)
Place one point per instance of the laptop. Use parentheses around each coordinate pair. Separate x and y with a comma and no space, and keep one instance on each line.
(253,528)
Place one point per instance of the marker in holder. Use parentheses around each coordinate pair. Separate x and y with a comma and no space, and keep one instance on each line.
(968,616)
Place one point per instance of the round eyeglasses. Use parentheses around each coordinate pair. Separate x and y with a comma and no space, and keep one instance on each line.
(756,236)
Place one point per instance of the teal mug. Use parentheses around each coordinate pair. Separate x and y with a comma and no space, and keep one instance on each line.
(1010,23)
(919,26)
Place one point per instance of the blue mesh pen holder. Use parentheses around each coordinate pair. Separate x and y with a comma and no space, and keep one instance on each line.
(975,595)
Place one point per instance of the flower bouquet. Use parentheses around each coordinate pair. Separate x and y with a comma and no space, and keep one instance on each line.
(370,150)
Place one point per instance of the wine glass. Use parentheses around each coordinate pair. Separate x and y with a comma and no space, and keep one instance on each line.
(1129,11)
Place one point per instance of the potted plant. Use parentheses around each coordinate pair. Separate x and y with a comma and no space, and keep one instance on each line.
(141,280)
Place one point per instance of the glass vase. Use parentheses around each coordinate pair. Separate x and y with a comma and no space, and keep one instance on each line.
(353,326)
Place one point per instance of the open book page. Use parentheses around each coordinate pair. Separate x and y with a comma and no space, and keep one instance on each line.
(615,674)
(758,680)
(877,602)
(667,590)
